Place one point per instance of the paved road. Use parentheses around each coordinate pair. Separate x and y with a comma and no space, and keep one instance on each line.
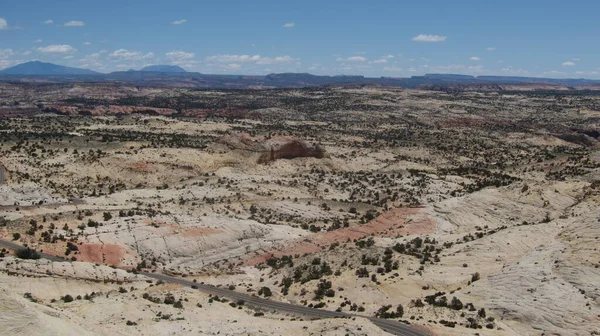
(13,246)
(390,326)
(74,201)
(2,173)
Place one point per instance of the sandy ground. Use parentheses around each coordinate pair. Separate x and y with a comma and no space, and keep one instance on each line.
(179,199)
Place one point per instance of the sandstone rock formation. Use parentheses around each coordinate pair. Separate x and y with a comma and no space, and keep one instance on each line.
(271,149)
(290,149)
(107,110)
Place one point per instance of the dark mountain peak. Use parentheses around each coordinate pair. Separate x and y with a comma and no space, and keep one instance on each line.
(163,68)
(37,68)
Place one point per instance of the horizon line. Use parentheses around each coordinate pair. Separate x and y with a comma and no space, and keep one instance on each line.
(98,73)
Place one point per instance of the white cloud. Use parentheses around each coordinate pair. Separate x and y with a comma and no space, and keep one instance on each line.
(380,61)
(26,53)
(512,71)
(56,49)
(181,58)
(568,64)
(68,57)
(87,43)
(289,25)
(474,58)
(276,60)
(388,56)
(48,22)
(74,24)
(5,63)
(179,55)
(554,73)
(92,60)
(574,59)
(38,41)
(233,58)
(249,59)
(178,22)
(429,38)
(6,53)
(456,68)
(392,69)
(312,68)
(3,23)
(352,59)
(587,73)
(491,48)
(126,55)
(233,66)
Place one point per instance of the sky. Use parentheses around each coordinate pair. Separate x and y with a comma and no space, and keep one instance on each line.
(372,38)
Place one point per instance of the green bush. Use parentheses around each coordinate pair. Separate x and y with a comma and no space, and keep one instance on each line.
(28,253)
(266,291)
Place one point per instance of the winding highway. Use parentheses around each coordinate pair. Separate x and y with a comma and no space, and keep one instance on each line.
(390,326)
(13,246)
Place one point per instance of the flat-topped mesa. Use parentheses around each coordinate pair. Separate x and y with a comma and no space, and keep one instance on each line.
(271,149)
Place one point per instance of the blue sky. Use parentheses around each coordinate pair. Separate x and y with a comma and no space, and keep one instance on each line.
(373,38)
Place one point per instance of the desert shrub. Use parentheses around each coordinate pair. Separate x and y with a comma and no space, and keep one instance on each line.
(384,312)
(417,303)
(362,272)
(456,304)
(266,291)
(253,209)
(28,253)
(107,216)
(169,299)
(324,289)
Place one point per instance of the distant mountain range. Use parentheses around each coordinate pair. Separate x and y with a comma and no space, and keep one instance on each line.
(163,68)
(37,68)
(170,75)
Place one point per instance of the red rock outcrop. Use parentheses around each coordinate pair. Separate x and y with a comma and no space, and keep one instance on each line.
(107,110)
(289,149)
(274,148)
